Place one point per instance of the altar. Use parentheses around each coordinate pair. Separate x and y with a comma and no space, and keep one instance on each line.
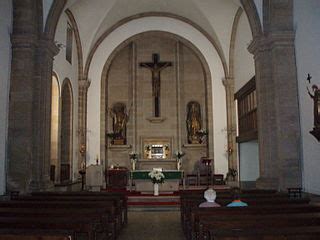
(142,181)
(149,164)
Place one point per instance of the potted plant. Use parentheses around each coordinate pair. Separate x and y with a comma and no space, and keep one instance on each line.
(231,174)
(111,135)
(133,157)
(179,155)
(202,133)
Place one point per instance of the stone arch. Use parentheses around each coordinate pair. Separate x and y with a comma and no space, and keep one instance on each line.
(54,141)
(66,130)
(251,10)
(208,108)
(78,42)
(124,21)
(53,18)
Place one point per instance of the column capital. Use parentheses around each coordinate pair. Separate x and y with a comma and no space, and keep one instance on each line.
(228,82)
(271,40)
(49,46)
(84,84)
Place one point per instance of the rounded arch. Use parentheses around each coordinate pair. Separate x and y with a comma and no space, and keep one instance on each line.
(53,18)
(208,121)
(252,13)
(58,6)
(124,21)
(168,25)
(66,130)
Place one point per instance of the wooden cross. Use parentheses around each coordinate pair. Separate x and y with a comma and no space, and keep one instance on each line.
(156,67)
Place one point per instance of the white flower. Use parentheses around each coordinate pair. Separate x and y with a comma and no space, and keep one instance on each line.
(179,154)
(156,176)
(133,155)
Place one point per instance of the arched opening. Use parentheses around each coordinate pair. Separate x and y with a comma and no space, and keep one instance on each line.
(54,142)
(66,131)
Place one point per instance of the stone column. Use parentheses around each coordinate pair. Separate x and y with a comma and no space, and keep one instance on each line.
(231,123)
(42,89)
(277,96)
(20,141)
(30,101)
(84,85)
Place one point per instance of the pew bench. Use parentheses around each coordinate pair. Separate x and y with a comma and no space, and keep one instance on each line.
(122,197)
(65,209)
(192,226)
(258,227)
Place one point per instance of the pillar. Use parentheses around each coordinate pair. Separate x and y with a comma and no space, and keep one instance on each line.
(277,97)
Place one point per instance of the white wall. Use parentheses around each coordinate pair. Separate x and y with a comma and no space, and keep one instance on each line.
(243,60)
(5,65)
(249,161)
(65,70)
(306,20)
(176,27)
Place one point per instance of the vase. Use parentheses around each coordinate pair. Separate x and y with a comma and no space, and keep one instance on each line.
(178,164)
(133,165)
(156,189)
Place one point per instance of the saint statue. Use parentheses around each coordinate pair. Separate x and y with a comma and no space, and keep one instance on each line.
(120,118)
(193,122)
(316,105)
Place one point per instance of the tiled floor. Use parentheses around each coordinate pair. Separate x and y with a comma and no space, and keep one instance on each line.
(160,225)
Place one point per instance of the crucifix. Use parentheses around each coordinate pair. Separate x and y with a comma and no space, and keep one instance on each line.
(156,67)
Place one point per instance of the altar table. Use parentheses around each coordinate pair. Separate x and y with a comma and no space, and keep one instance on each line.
(143,183)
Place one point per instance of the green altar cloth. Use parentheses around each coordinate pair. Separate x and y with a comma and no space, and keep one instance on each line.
(167,175)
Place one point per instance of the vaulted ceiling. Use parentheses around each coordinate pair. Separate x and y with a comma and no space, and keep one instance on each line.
(95,17)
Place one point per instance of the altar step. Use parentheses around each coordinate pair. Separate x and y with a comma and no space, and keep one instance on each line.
(149,202)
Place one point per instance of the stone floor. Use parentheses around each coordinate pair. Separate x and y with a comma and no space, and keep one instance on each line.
(153,225)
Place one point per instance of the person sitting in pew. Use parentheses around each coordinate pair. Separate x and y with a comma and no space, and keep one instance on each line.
(210,195)
(236,199)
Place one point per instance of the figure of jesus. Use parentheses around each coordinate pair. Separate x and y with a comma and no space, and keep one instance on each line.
(156,67)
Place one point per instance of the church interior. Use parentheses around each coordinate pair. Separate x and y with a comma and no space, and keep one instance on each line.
(119,114)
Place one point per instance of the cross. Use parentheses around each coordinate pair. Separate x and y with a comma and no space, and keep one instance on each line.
(309,77)
(156,67)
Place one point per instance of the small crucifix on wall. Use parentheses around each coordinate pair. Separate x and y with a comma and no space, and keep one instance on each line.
(156,67)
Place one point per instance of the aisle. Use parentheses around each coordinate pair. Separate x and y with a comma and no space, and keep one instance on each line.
(160,225)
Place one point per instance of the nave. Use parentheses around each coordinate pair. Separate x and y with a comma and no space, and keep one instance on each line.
(155,225)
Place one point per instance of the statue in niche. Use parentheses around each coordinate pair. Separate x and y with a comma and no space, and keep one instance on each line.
(193,122)
(120,118)
(316,108)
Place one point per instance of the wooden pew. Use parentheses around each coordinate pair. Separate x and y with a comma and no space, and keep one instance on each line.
(189,204)
(108,200)
(121,196)
(98,216)
(78,229)
(227,213)
(32,237)
(255,227)
(66,209)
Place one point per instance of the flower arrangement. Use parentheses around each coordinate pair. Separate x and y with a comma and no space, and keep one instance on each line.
(156,176)
(111,135)
(179,154)
(133,155)
(202,132)
(231,174)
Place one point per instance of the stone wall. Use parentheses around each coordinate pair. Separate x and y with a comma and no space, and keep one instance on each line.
(186,71)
